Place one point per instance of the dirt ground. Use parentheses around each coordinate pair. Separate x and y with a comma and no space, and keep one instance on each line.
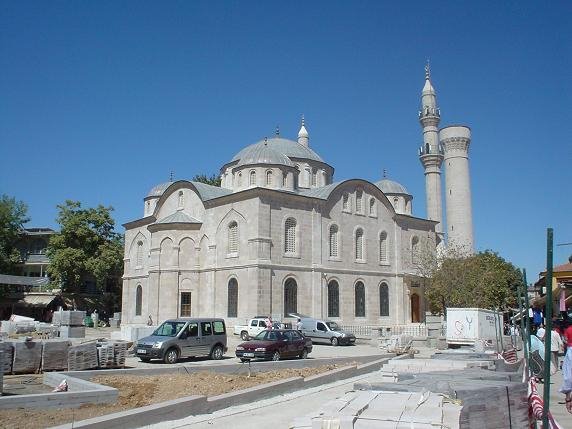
(138,391)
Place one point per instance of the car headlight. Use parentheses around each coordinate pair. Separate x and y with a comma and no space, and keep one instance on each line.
(260,349)
(240,348)
(157,345)
(343,335)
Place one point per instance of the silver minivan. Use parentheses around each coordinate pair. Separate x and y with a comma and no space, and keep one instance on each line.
(325,332)
(184,337)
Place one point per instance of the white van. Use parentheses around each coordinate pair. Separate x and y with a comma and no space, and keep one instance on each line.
(326,332)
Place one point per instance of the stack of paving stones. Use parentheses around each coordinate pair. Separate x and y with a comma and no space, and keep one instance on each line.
(55,354)
(8,351)
(1,372)
(71,323)
(83,356)
(115,321)
(491,399)
(27,356)
(105,355)
(119,353)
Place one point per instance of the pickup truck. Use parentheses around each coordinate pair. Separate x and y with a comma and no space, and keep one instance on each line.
(254,327)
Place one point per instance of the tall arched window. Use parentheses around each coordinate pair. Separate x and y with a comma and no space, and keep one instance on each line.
(290,297)
(333,299)
(239,179)
(139,255)
(308,176)
(383,299)
(290,235)
(359,244)
(181,199)
(284,179)
(372,207)
(359,195)
(232,303)
(415,250)
(345,205)
(138,300)
(314,178)
(396,203)
(334,234)
(269,178)
(252,178)
(360,300)
(383,247)
(233,237)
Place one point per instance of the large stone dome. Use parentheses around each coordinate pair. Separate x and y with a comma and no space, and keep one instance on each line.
(391,187)
(263,154)
(286,147)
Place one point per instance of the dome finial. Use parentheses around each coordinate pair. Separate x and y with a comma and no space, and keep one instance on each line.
(277,131)
(171,177)
(384,173)
(427,70)
(302,119)
(303,136)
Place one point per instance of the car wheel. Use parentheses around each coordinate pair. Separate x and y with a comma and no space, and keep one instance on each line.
(244,360)
(304,353)
(144,359)
(334,341)
(217,353)
(276,356)
(244,336)
(171,356)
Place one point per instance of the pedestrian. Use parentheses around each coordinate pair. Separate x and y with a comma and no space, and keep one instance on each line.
(567,379)
(149,321)
(268,323)
(567,336)
(299,325)
(555,345)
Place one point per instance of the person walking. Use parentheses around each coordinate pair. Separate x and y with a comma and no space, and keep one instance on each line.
(555,345)
(567,379)
(299,325)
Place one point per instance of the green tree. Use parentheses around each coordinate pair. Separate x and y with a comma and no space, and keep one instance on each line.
(483,280)
(85,248)
(13,216)
(213,180)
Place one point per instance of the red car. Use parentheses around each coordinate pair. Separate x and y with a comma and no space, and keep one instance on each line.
(275,344)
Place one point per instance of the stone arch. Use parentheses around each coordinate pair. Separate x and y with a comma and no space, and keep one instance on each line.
(168,255)
(187,253)
(290,296)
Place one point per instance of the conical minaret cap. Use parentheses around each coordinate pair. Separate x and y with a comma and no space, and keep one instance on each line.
(428,87)
(303,136)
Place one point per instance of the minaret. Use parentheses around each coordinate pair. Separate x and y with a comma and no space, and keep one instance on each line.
(455,141)
(303,137)
(430,154)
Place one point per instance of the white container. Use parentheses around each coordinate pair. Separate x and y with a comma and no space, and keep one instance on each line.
(469,325)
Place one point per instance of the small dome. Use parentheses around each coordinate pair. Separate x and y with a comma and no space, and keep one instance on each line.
(263,154)
(158,190)
(390,187)
(286,147)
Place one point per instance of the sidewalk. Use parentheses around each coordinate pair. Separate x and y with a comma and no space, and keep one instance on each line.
(557,405)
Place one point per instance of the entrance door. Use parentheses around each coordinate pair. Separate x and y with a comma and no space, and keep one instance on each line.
(415,308)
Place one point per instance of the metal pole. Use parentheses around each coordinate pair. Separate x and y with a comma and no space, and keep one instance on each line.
(523,311)
(527,333)
(548,333)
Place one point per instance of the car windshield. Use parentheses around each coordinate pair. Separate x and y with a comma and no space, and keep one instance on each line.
(268,336)
(333,326)
(169,329)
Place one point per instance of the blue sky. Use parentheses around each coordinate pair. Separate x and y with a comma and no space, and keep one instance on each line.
(100,101)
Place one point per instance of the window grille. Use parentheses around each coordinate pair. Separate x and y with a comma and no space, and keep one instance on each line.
(345,202)
(233,237)
(181,199)
(359,195)
(383,300)
(359,244)
(372,207)
(139,259)
(138,300)
(290,236)
(252,178)
(334,241)
(284,180)
(360,300)
(290,297)
(269,178)
(232,306)
(185,304)
(314,178)
(383,247)
(333,299)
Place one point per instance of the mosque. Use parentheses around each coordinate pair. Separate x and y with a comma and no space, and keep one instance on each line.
(280,236)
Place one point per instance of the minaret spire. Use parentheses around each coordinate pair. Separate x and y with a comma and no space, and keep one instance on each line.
(303,136)
(431,154)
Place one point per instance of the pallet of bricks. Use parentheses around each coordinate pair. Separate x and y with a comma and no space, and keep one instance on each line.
(111,354)
(83,356)
(71,323)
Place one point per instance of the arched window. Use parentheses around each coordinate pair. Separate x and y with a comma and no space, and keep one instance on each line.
(290,235)
(383,299)
(345,205)
(308,176)
(239,179)
(269,178)
(232,304)
(284,179)
(252,178)
(333,299)
(181,199)
(334,253)
(396,203)
(290,297)
(359,244)
(233,237)
(359,195)
(360,300)
(383,247)
(138,300)
(415,250)
(314,178)
(372,207)
(139,258)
